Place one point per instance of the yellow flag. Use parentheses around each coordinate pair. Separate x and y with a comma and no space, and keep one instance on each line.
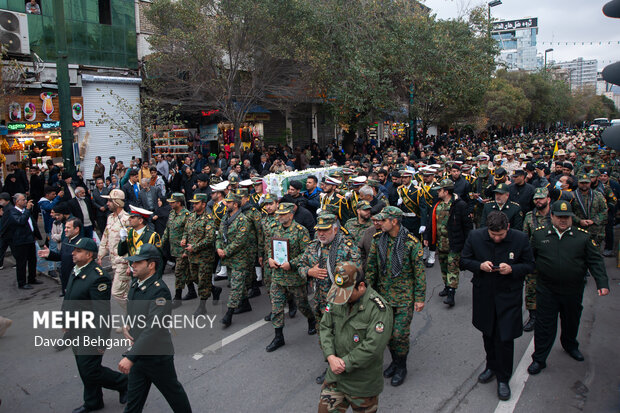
(555,149)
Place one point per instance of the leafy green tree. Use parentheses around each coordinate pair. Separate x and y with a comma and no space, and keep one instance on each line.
(505,104)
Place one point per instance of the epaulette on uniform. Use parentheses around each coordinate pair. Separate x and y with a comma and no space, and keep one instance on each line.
(515,203)
(377,234)
(273,224)
(299,227)
(99,271)
(582,230)
(344,230)
(413,237)
(539,228)
(378,302)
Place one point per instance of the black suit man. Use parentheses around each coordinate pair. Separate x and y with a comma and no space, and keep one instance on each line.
(82,207)
(131,190)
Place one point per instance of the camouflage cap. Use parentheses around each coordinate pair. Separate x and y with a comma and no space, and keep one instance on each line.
(231,197)
(325,221)
(84,244)
(344,283)
(242,192)
(373,183)
(176,197)
(583,178)
(445,184)
(269,198)
(145,252)
(330,209)
(233,179)
(594,173)
(363,205)
(199,198)
(562,209)
(285,208)
(541,193)
(391,212)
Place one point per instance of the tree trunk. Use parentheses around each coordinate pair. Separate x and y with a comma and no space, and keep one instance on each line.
(237,138)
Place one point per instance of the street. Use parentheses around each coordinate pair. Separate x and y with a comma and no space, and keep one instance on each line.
(229,370)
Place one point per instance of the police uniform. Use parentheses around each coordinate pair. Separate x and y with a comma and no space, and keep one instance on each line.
(152,352)
(511,209)
(357,333)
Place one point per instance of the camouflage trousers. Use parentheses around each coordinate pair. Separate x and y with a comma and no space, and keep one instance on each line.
(279,297)
(320,299)
(449,263)
(334,401)
(530,291)
(237,277)
(399,342)
(251,271)
(202,272)
(267,277)
(182,274)
(121,281)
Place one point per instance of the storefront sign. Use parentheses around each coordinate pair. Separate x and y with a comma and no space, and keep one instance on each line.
(515,24)
(43,107)
(41,125)
(257,117)
(209,112)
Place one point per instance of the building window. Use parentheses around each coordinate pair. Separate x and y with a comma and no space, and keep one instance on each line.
(33,6)
(105,12)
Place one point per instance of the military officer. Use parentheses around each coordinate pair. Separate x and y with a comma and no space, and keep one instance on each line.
(150,359)
(255,198)
(268,223)
(138,234)
(540,216)
(199,244)
(118,222)
(590,209)
(564,255)
(356,328)
(413,204)
(428,185)
(173,236)
(331,197)
(318,262)
(89,290)
(285,279)
(232,244)
(395,269)
(254,216)
(218,193)
(502,204)
(357,226)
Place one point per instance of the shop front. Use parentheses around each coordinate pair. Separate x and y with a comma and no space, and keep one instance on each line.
(33,128)
(217,134)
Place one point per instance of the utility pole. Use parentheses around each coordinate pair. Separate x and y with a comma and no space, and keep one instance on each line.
(64,92)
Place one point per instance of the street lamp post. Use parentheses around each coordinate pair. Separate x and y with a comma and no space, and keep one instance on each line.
(547,51)
(492,3)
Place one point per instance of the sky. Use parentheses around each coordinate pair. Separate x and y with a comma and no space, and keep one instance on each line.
(558,21)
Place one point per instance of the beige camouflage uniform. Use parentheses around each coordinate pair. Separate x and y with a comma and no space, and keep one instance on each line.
(109,245)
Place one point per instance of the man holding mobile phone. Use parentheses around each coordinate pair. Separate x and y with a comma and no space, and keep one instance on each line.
(499,258)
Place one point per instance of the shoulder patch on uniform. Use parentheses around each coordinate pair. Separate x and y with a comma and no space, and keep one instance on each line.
(582,230)
(378,302)
(412,237)
(539,228)
(160,301)
(377,234)
(102,287)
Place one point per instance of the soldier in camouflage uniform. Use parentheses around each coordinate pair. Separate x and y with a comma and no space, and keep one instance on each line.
(395,269)
(318,262)
(268,224)
(590,209)
(285,279)
(254,217)
(357,226)
(198,242)
(232,246)
(612,201)
(450,219)
(173,236)
(540,216)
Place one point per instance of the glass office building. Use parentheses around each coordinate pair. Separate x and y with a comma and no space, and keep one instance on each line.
(517,43)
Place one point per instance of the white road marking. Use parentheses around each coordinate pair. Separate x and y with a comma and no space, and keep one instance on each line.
(517,382)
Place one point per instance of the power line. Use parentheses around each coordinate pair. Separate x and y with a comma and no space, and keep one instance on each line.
(600,43)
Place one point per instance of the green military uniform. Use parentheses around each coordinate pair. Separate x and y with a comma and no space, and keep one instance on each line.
(593,206)
(448,260)
(173,236)
(357,333)
(354,227)
(89,289)
(268,223)
(152,350)
(482,181)
(232,237)
(562,263)
(401,282)
(254,216)
(326,256)
(200,234)
(511,209)
(288,283)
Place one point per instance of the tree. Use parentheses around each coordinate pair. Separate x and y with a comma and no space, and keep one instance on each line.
(505,104)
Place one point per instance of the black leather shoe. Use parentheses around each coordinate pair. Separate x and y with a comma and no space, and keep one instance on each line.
(576,354)
(35,282)
(529,326)
(122,396)
(277,342)
(217,291)
(399,375)
(254,292)
(25,287)
(486,376)
(267,317)
(244,307)
(227,319)
(391,369)
(320,379)
(84,409)
(503,391)
(536,367)
(443,292)
(292,309)
(311,326)
(450,297)
(191,293)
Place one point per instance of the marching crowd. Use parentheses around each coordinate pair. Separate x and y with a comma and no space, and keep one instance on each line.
(537,210)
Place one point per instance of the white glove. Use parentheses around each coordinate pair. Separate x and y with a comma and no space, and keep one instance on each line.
(400,201)
(123,234)
(422,229)
(319,210)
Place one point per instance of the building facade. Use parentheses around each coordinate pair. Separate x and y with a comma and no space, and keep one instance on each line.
(517,43)
(582,74)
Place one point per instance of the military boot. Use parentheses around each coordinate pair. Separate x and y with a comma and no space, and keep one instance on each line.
(216,291)
(450,297)
(191,292)
(227,319)
(277,342)
(254,290)
(202,309)
(311,326)
(529,326)
(444,292)
(292,308)
(244,307)
(267,317)
(177,300)
(320,379)
(400,372)
(391,369)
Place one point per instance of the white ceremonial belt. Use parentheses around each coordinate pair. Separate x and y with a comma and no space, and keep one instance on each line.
(409,214)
